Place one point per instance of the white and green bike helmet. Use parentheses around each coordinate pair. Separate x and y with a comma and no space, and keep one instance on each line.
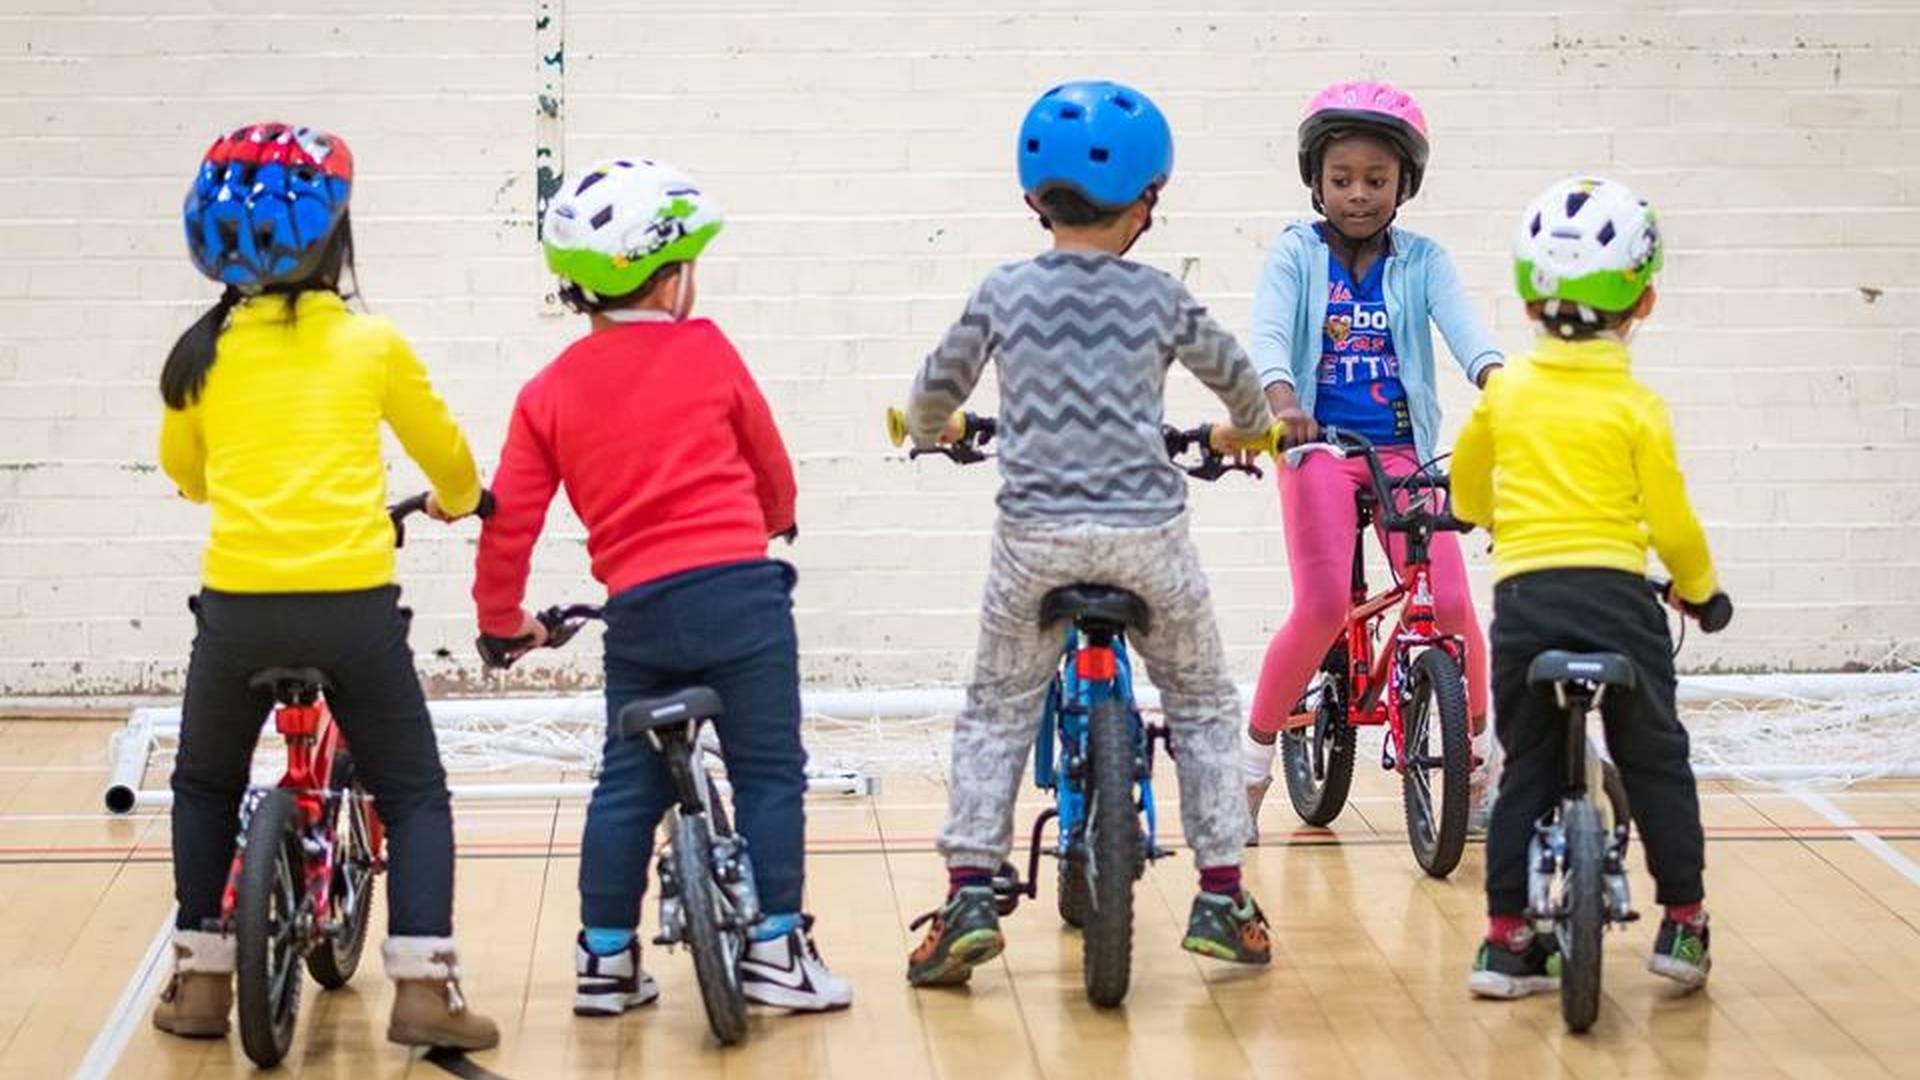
(1589,242)
(617,222)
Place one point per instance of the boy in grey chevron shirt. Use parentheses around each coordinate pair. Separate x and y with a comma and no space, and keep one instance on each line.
(1083,340)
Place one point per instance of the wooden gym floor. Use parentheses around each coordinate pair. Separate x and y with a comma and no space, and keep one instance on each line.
(1816,904)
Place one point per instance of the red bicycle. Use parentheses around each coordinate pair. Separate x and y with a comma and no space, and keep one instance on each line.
(1414,687)
(301,886)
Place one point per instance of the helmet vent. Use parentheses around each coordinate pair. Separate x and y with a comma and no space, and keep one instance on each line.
(588,181)
(1534,229)
(599,220)
(1126,103)
(1033,146)
(1070,112)
(1099,154)
(1606,234)
(1576,200)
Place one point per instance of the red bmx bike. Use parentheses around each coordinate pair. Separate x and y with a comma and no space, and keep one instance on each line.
(1413,685)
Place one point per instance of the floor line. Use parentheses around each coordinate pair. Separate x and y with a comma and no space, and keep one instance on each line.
(1886,852)
(112,1039)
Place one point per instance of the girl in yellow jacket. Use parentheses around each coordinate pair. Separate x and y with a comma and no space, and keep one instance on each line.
(274,401)
(1569,462)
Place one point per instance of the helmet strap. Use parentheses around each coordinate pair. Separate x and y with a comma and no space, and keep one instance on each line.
(682,291)
(1152,198)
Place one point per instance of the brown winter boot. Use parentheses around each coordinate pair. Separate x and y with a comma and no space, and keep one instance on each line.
(428,1008)
(198,998)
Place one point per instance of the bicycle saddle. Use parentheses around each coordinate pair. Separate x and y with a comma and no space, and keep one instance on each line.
(1096,604)
(644,714)
(291,685)
(1606,669)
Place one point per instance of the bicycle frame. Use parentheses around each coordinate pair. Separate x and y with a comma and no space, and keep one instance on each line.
(1376,683)
(1094,669)
(312,740)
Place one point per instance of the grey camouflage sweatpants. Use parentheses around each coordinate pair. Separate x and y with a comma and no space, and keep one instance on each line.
(1017,657)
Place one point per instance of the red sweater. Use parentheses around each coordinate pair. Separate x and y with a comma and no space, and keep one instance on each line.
(669,454)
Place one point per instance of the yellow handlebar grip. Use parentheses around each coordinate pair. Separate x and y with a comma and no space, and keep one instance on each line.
(896,426)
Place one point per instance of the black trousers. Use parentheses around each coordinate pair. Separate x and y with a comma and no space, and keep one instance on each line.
(360,640)
(1589,611)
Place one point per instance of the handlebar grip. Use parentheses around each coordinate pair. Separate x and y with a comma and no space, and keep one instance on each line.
(499,653)
(896,426)
(1715,614)
(487,505)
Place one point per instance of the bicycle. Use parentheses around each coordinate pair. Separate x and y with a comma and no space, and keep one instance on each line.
(1577,877)
(1101,771)
(299,889)
(1413,687)
(707,897)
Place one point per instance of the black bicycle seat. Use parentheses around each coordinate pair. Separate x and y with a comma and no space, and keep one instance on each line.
(642,715)
(1096,604)
(1604,669)
(291,685)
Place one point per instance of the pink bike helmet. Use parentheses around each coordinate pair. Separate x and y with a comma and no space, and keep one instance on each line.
(1376,108)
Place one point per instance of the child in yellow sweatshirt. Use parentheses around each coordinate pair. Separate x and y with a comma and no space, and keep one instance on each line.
(1569,462)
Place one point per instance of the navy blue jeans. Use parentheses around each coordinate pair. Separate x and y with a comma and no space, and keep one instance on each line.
(731,628)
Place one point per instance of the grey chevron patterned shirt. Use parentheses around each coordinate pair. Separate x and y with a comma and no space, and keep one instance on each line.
(1083,341)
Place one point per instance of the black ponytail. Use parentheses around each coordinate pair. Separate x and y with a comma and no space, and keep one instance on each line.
(192,356)
(185,374)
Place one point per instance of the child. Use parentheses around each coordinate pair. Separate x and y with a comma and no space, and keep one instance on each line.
(1570,463)
(274,400)
(1342,335)
(1083,339)
(671,459)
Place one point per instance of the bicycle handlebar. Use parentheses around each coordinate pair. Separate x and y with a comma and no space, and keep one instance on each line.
(399,512)
(1713,615)
(562,622)
(977,431)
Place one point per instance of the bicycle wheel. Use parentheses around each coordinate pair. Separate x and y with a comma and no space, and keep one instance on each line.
(1318,760)
(1437,826)
(333,961)
(1584,920)
(266,920)
(716,945)
(1114,854)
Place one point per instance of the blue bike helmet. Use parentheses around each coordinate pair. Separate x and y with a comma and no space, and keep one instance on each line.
(1107,142)
(265,204)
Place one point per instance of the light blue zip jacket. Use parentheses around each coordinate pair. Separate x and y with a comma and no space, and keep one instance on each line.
(1421,289)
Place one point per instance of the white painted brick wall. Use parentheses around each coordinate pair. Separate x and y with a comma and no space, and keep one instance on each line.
(862,149)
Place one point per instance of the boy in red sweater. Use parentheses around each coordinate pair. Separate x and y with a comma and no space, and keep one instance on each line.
(671,459)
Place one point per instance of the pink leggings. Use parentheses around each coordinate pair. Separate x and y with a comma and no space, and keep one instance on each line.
(1317,499)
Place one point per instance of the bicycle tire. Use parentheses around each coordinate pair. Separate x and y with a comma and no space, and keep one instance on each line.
(716,948)
(334,959)
(1584,922)
(1437,834)
(1114,854)
(266,900)
(1318,761)
(1075,898)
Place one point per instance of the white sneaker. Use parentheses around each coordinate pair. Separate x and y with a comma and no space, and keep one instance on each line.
(610,985)
(1256,768)
(787,973)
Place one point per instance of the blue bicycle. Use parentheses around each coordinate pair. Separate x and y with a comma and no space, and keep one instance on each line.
(1094,751)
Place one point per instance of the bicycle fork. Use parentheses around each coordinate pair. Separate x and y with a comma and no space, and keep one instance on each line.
(1587,774)
(731,866)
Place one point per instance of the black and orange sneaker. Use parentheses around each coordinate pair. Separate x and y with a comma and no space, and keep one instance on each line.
(964,934)
(1224,930)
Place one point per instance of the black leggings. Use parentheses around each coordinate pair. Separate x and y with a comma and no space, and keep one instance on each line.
(1589,611)
(360,640)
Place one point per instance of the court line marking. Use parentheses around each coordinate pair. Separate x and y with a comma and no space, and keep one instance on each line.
(1858,833)
(112,1039)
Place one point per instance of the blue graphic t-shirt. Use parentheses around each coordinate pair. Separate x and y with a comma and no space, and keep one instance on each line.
(1360,387)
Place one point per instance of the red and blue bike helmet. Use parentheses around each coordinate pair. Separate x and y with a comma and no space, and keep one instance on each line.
(266,203)
(1107,142)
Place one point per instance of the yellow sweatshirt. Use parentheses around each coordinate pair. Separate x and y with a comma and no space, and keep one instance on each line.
(284,441)
(1569,462)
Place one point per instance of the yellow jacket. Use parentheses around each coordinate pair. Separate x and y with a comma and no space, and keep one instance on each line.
(1569,461)
(284,441)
